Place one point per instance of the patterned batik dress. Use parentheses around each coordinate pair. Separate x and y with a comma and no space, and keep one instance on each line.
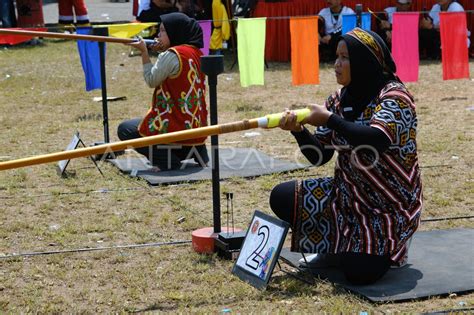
(373,203)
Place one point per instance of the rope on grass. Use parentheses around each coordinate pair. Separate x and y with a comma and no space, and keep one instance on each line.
(91,249)
(90,191)
(159,244)
(143,187)
(447,218)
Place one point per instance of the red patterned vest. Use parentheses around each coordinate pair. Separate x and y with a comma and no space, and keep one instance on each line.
(179,102)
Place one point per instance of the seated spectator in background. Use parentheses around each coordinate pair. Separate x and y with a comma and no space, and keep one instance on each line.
(66,14)
(386,19)
(150,10)
(221,28)
(330,27)
(204,9)
(7,13)
(430,41)
(188,7)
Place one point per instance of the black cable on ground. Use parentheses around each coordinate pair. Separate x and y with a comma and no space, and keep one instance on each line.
(447,218)
(435,166)
(143,187)
(101,190)
(79,250)
(468,310)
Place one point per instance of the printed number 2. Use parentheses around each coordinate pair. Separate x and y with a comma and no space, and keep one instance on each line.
(254,260)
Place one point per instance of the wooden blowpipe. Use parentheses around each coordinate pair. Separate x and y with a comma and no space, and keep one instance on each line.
(94,38)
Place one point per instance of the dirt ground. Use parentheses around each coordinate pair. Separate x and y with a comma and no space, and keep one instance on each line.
(43,102)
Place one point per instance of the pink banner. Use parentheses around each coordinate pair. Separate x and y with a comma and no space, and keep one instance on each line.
(405,45)
(206,33)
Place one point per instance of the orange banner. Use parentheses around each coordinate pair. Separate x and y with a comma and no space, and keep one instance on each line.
(304,50)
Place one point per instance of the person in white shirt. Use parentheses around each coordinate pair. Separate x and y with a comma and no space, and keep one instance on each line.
(385,20)
(330,27)
(150,10)
(429,36)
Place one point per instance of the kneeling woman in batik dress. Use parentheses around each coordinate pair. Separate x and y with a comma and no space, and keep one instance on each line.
(371,207)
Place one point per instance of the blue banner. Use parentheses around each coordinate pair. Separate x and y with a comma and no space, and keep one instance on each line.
(349,22)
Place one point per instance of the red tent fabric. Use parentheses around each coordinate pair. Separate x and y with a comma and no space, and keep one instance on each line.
(7,39)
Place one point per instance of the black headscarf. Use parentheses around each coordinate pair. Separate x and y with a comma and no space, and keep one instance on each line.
(372,67)
(182,29)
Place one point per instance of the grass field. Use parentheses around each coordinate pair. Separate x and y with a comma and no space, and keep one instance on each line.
(43,102)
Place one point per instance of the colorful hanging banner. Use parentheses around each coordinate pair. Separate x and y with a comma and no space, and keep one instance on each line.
(7,39)
(349,22)
(221,23)
(90,59)
(127,30)
(206,33)
(405,45)
(304,50)
(454,47)
(251,50)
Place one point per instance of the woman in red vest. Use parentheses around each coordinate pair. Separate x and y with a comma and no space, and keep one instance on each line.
(179,98)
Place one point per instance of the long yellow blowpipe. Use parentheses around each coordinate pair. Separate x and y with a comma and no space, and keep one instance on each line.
(269,121)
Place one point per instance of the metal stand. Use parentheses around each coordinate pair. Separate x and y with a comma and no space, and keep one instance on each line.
(228,244)
(76,140)
(206,240)
(103,31)
(358,10)
(203,239)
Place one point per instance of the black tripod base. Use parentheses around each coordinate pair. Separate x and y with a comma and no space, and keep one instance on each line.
(107,155)
(228,245)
